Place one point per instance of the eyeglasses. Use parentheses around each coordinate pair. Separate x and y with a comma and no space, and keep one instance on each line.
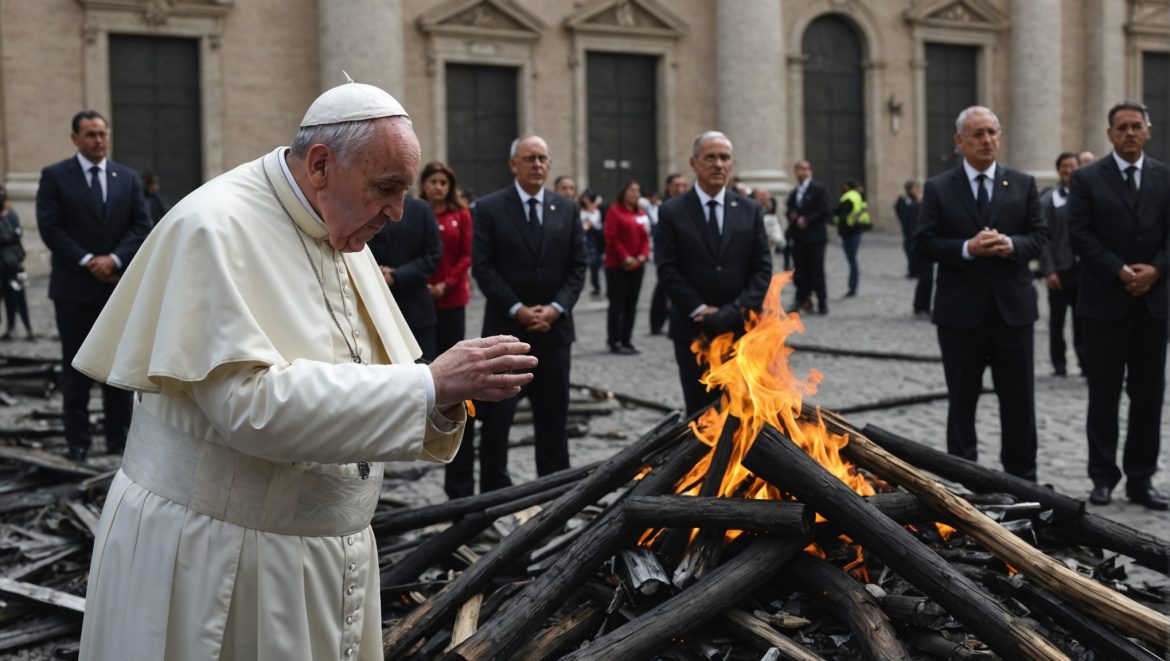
(536,158)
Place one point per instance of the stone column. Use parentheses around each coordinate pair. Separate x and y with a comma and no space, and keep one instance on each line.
(750,84)
(1033,124)
(1104,69)
(363,38)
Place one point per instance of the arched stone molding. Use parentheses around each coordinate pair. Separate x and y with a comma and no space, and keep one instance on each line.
(198,19)
(489,32)
(857,14)
(640,27)
(959,22)
(1148,30)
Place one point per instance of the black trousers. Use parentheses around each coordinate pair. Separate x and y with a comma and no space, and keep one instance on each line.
(15,303)
(809,277)
(459,475)
(1130,350)
(695,394)
(924,271)
(74,321)
(1060,303)
(622,289)
(659,308)
(966,352)
(548,392)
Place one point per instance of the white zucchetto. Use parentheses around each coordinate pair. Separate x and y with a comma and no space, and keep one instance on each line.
(352,102)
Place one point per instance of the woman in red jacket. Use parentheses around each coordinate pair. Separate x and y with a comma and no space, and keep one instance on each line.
(627,247)
(449,288)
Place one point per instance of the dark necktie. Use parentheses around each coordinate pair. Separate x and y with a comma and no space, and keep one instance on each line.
(95,188)
(981,198)
(533,219)
(1131,188)
(1063,191)
(713,221)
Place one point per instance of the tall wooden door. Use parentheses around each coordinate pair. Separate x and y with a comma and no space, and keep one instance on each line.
(155,103)
(1156,96)
(834,102)
(622,121)
(481,124)
(950,87)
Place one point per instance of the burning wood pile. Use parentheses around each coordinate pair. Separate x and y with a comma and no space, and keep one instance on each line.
(763,530)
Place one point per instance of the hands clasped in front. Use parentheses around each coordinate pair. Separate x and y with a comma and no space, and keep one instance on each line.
(537,318)
(1138,278)
(990,243)
(482,368)
(103,268)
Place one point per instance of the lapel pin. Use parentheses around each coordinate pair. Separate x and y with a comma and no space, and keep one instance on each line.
(1005,183)
(113,174)
(733,203)
(552,207)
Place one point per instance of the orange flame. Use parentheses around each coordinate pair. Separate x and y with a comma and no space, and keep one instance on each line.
(759,388)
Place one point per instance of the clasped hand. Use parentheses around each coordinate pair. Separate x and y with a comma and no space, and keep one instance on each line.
(1138,278)
(990,243)
(537,318)
(103,268)
(484,368)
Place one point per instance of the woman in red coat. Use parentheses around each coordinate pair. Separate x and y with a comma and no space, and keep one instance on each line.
(627,247)
(449,288)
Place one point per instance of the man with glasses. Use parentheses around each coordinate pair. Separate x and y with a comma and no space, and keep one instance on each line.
(981,223)
(1119,214)
(528,257)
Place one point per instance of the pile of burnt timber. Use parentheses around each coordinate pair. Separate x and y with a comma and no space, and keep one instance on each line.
(604,562)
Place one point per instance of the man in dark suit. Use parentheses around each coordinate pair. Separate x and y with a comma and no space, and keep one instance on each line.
(1119,224)
(809,208)
(676,185)
(981,223)
(528,256)
(713,260)
(408,253)
(1059,267)
(92,216)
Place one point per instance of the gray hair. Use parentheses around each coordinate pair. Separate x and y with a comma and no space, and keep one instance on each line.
(343,138)
(707,135)
(962,118)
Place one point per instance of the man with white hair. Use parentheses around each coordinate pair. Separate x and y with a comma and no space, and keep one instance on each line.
(273,371)
(981,223)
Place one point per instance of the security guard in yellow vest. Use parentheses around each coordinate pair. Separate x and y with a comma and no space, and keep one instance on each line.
(852,219)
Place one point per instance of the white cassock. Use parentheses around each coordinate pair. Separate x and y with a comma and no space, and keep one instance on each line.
(238,526)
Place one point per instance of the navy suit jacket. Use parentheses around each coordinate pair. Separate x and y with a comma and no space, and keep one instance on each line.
(1108,232)
(732,276)
(816,209)
(511,268)
(413,248)
(72,226)
(967,288)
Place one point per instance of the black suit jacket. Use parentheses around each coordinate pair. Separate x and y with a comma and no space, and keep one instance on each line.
(511,268)
(816,208)
(732,276)
(412,247)
(72,226)
(966,288)
(1107,232)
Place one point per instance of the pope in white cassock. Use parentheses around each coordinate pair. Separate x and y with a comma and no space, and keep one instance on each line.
(273,371)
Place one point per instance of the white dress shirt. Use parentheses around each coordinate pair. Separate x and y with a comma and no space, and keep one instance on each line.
(1122,164)
(989,185)
(86,164)
(704,198)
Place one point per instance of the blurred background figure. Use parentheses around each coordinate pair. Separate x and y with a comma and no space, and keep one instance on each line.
(1061,268)
(905,208)
(408,252)
(450,289)
(852,219)
(12,275)
(594,238)
(627,249)
(156,205)
(1084,158)
(772,225)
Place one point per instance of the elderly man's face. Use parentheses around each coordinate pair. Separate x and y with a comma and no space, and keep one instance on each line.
(1129,133)
(359,197)
(979,139)
(713,164)
(531,164)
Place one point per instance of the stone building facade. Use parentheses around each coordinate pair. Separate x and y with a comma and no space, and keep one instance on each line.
(867,89)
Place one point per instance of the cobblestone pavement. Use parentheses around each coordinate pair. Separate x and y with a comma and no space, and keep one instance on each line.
(878,319)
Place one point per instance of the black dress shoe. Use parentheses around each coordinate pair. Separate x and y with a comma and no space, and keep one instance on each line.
(1100,495)
(1147,496)
(613,348)
(628,350)
(1059,371)
(77,454)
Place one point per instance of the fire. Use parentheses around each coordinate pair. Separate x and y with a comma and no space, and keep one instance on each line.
(759,388)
